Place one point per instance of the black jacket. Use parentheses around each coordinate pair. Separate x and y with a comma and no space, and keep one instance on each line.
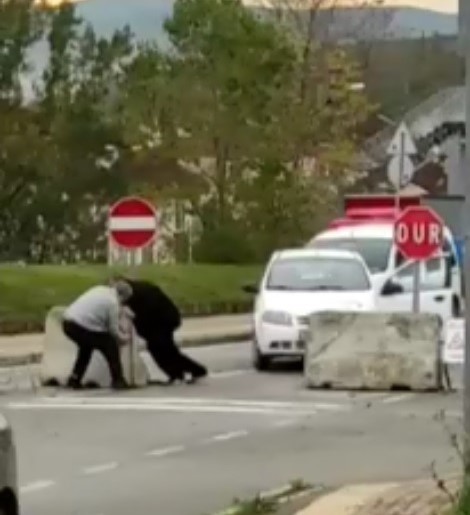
(153,309)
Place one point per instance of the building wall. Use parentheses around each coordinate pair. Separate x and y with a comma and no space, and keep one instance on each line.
(454,164)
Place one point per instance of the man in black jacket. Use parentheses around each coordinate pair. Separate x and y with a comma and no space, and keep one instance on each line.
(156,320)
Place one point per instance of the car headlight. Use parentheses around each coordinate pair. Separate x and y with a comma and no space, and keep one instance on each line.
(277,318)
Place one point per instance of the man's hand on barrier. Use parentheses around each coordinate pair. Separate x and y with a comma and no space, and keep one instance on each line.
(124,341)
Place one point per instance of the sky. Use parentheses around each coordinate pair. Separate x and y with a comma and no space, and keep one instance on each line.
(438,5)
(450,6)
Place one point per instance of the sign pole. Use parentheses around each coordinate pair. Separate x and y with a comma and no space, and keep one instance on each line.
(465,28)
(416,286)
(401,171)
(418,234)
(132,226)
(133,269)
(400,167)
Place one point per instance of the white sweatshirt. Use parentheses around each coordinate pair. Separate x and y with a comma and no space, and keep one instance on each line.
(98,310)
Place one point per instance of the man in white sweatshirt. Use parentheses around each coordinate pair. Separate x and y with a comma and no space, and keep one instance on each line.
(92,322)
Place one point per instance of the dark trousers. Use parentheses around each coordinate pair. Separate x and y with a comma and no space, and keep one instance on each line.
(169,358)
(88,341)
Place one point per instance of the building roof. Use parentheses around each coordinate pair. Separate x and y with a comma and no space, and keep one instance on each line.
(413,190)
(430,122)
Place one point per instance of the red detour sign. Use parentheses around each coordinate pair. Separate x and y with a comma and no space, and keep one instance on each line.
(132,223)
(418,233)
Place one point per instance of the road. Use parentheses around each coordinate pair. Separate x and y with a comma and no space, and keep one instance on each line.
(189,450)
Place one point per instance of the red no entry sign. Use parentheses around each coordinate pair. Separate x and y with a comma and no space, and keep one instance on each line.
(132,223)
(418,233)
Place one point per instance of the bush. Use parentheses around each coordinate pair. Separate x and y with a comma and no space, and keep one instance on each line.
(27,293)
(463,504)
(224,244)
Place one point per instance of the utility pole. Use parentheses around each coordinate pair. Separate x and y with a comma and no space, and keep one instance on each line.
(464,26)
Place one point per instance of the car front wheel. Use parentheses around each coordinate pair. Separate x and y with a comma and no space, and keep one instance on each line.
(260,361)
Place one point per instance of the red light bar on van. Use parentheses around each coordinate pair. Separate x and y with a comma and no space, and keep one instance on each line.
(370,205)
(360,209)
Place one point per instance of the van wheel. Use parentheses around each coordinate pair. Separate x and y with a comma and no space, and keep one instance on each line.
(260,361)
(456,311)
(8,503)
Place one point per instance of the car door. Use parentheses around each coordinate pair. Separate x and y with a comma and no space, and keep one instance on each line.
(396,296)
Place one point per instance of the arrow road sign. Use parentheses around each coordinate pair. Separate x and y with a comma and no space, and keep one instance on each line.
(400,171)
(402,142)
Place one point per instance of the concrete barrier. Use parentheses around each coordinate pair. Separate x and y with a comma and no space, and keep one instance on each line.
(59,356)
(378,351)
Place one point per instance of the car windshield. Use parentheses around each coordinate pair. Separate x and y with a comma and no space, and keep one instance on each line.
(315,274)
(374,251)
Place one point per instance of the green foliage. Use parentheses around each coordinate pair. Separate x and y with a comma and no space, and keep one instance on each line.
(463,504)
(256,506)
(61,155)
(255,127)
(226,243)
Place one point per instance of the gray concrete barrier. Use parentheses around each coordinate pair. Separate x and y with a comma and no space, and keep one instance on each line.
(59,356)
(376,351)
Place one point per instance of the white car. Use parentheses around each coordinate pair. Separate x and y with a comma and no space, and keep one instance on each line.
(297,283)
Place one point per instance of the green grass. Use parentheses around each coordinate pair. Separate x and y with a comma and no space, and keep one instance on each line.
(463,504)
(27,293)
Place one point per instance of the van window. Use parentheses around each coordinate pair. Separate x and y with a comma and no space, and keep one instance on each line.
(399,260)
(374,251)
(448,251)
(432,265)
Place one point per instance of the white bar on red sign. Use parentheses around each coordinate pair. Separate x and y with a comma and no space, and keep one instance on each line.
(134,223)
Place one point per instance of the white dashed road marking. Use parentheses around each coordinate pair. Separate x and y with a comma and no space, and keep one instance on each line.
(228,373)
(398,398)
(36,486)
(180,405)
(99,469)
(286,423)
(224,437)
(166,451)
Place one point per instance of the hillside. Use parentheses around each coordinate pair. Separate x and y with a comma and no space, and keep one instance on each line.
(146,18)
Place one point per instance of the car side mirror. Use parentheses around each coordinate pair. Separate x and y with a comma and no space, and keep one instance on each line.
(252,289)
(392,288)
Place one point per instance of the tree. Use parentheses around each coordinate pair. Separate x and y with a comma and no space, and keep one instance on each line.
(20,140)
(61,151)
(237,103)
(236,66)
(86,151)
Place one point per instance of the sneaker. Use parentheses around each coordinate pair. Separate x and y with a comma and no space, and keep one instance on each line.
(174,380)
(193,378)
(73,383)
(120,385)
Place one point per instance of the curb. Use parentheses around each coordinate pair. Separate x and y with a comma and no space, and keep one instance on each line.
(281,495)
(35,358)
(215,339)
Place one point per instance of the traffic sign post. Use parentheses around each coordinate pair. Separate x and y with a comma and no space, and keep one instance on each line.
(400,167)
(418,235)
(132,225)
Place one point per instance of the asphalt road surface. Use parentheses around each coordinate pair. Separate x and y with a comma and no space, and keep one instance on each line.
(190,450)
